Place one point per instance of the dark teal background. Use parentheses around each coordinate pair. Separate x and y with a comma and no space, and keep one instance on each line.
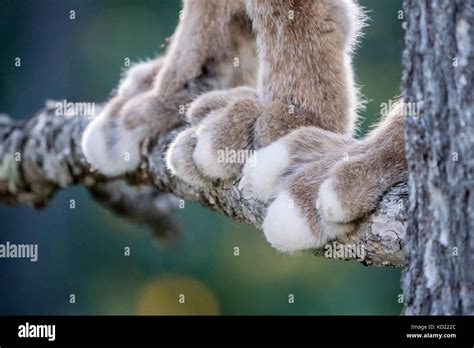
(81,251)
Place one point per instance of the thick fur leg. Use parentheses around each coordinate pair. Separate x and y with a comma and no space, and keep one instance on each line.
(292,98)
(289,97)
(210,34)
(310,84)
(357,184)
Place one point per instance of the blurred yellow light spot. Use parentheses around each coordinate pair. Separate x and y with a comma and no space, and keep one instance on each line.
(176,295)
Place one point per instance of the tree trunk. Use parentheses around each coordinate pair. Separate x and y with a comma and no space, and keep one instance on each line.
(438,74)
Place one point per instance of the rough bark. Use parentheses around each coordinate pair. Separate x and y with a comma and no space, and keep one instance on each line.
(51,159)
(438,75)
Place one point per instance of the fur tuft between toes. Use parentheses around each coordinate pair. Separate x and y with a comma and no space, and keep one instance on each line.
(330,205)
(206,157)
(260,176)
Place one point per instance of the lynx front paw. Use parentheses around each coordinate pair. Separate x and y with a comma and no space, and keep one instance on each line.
(260,175)
(110,147)
(215,147)
(224,139)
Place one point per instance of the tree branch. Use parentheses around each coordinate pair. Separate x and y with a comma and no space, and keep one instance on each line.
(42,155)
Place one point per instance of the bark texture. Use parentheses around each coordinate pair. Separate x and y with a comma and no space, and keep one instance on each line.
(438,75)
(43,155)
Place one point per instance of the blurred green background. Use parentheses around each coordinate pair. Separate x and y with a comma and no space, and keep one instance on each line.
(81,251)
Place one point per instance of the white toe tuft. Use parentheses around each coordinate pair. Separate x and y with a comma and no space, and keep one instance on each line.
(285,228)
(329,205)
(260,175)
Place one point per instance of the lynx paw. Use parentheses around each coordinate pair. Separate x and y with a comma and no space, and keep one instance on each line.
(290,227)
(224,138)
(216,144)
(110,147)
(260,176)
(108,143)
(293,221)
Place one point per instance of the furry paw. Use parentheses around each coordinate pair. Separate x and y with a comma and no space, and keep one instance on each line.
(260,176)
(110,147)
(111,142)
(293,221)
(224,134)
(216,145)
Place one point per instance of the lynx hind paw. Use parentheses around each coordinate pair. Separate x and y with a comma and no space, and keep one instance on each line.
(179,158)
(110,147)
(260,176)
